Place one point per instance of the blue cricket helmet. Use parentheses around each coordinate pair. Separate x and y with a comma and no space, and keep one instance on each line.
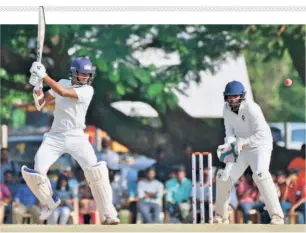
(82,65)
(234,88)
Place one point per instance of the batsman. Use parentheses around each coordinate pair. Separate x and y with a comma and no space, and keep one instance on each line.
(248,142)
(72,98)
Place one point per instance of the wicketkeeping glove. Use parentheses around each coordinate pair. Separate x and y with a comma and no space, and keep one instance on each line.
(227,153)
(239,145)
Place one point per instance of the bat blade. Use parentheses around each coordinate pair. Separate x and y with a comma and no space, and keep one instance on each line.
(40,32)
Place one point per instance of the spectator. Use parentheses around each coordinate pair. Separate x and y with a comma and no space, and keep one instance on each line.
(72,181)
(25,202)
(12,185)
(187,161)
(5,201)
(171,175)
(294,198)
(108,155)
(87,205)
(117,190)
(62,213)
(248,197)
(281,183)
(178,195)
(7,164)
(298,162)
(132,192)
(150,194)
(161,166)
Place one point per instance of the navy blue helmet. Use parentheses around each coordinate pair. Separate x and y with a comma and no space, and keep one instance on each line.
(82,65)
(234,88)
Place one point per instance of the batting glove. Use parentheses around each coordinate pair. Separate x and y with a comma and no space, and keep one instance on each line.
(239,145)
(34,80)
(39,85)
(38,69)
(226,153)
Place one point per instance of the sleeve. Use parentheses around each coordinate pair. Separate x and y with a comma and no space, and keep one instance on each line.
(140,190)
(160,190)
(131,189)
(258,124)
(6,192)
(52,92)
(84,93)
(229,131)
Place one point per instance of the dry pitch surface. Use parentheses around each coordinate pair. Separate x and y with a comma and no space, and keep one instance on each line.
(154,228)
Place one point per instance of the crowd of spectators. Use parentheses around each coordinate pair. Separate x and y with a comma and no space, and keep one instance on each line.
(158,194)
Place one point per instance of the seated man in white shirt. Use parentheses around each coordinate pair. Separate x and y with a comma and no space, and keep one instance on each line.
(150,194)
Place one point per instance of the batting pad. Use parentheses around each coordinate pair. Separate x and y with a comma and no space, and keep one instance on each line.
(223,192)
(268,191)
(98,179)
(40,186)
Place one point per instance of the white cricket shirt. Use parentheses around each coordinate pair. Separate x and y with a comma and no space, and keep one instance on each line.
(70,113)
(249,124)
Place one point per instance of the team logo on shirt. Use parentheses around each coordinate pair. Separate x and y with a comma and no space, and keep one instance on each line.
(243,117)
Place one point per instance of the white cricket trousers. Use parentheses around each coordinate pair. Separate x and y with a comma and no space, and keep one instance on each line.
(257,158)
(73,142)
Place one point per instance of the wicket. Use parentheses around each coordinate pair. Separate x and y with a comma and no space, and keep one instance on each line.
(194,187)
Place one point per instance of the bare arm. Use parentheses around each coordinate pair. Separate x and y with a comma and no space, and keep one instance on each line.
(59,89)
(285,195)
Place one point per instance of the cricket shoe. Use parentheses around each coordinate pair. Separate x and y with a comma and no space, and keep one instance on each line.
(276,220)
(45,211)
(111,221)
(220,220)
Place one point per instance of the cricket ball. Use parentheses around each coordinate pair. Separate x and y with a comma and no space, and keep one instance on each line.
(288,82)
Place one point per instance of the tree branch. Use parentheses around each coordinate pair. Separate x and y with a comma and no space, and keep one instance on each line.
(13,63)
(24,87)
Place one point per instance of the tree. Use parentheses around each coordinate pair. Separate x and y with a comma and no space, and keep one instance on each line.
(120,76)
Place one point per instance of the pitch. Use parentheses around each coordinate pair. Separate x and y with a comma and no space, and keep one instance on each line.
(155,228)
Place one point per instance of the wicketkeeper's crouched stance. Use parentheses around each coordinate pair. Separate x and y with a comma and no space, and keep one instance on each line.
(248,142)
(72,98)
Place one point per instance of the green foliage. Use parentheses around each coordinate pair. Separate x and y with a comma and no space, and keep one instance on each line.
(199,47)
(279,102)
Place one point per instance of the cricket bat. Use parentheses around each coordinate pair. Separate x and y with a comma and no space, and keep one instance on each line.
(40,33)
(40,36)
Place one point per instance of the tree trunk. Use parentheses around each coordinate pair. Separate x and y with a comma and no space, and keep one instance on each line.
(202,134)
(296,48)
(179,129)
(126,130)
(13,63)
